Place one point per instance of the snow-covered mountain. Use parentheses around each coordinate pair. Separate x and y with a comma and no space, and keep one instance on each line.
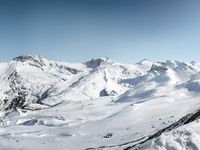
(98,104)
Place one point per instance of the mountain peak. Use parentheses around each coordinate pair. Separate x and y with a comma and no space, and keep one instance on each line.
(36,60)
(96,62)
(24,58)
(145,62)
(105,58)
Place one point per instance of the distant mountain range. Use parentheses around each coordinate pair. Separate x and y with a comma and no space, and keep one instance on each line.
(98,104)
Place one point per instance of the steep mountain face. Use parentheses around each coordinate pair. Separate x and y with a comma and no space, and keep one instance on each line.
(98,103)
(31,79)
(35,80)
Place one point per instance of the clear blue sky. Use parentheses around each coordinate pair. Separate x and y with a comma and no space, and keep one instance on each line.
(77,30)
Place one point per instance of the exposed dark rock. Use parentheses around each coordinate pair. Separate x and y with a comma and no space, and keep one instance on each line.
(16,102)
(109,135)
(158,68)
(36,61)
(105,92)
(43,96)
(72,70)
(97,62)
(16,97)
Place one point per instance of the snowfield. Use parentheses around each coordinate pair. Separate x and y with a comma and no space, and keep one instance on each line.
(99,104)
(186,137)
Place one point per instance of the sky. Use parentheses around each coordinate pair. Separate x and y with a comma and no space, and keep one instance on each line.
(78,30)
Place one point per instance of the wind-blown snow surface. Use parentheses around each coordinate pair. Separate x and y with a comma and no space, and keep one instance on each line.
(186,137)
(97,104)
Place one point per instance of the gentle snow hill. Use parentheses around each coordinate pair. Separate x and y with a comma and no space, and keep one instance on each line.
(99,103)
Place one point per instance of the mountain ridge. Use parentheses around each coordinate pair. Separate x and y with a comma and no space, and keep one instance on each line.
(112,102)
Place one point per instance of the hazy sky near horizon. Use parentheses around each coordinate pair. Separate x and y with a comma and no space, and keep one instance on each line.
(77,30)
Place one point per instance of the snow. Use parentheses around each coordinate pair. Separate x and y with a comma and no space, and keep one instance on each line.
(60,105)
(186,137)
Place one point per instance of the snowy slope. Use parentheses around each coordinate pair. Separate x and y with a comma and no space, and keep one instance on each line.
(96,104)
(183,138)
